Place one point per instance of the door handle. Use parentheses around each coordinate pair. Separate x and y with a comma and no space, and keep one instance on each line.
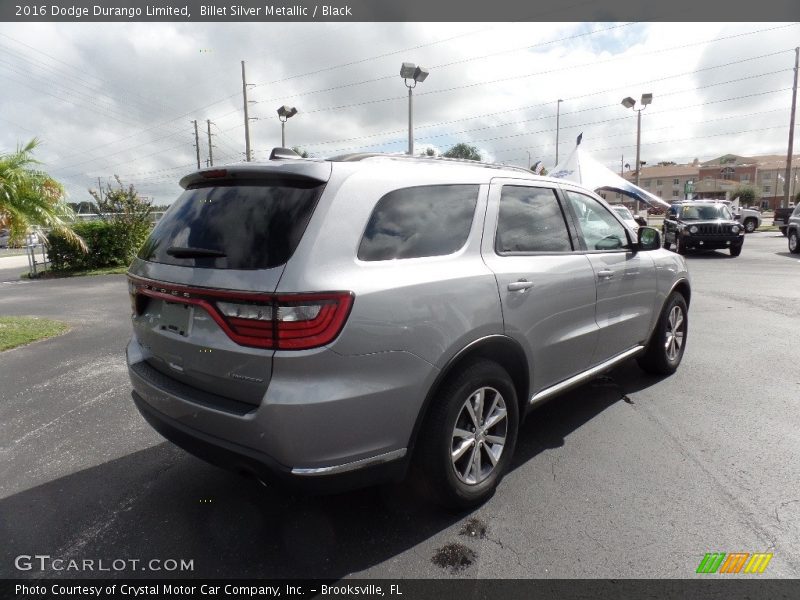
(519,286)
(605,274)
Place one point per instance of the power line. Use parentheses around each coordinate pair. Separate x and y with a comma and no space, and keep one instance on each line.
(539,118)
(77,69)
(371,58)
(445,65)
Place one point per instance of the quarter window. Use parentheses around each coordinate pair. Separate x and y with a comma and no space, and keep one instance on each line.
(530,220)
(601,231)
(415,222)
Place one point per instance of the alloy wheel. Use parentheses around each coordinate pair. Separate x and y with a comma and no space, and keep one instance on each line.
(479,436)
(675,332)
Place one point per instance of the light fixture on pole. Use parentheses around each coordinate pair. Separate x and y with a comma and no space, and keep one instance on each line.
(558,124)
(631,103)
(410,71)
(285,113)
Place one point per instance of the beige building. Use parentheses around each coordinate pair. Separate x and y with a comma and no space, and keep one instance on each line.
(719,177)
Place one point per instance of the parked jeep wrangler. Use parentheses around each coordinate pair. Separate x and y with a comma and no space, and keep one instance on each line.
(702,225)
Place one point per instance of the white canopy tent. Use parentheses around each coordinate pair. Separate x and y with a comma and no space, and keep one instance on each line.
(583,169)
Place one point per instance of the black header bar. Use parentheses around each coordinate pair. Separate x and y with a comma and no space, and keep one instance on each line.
(265,11)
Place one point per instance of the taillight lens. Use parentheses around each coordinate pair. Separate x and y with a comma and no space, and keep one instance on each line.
(273,321)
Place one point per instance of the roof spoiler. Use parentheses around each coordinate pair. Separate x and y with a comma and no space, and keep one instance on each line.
(286,153)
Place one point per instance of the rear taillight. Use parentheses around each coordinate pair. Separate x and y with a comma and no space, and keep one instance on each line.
(273,321)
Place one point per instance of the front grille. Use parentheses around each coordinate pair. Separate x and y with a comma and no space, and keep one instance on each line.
(714,229)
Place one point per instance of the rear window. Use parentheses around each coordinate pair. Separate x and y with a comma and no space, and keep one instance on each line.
(246,225)
(431,220)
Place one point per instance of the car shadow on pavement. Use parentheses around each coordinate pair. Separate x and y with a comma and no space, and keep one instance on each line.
(547,426)
(707,254)
(161,503)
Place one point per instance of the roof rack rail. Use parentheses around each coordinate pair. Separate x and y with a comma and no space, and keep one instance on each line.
(358,156)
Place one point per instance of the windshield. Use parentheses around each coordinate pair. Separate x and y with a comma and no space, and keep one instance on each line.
(705,212)
(623,212)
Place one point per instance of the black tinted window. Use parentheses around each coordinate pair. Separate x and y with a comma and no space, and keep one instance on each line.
(531,220)
(255,226)
(420,221)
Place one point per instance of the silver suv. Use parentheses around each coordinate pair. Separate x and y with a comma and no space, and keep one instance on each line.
(340,321)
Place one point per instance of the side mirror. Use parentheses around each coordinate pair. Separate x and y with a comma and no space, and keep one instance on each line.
(648,239)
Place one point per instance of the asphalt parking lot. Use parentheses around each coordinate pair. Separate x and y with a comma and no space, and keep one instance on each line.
(628,476)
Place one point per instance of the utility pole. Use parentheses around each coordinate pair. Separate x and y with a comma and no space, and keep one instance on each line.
(196,143)
(210,146)
(787,179)
(246,117)
(558,124)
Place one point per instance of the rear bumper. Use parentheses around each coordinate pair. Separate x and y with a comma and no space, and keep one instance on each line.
(249,462)
(347,425)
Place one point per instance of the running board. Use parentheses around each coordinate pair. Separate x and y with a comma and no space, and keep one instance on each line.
(582,377)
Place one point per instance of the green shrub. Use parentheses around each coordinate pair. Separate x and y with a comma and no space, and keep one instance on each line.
(110,244)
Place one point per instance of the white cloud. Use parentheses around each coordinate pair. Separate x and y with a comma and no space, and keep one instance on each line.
(119,98)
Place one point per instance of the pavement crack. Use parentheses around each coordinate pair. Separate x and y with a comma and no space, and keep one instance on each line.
(594,539)
(783,505)
(475,528)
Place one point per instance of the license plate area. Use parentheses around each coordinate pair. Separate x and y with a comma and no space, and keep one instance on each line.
(176,318)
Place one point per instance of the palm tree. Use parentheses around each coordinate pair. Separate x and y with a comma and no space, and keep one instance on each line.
(29,196)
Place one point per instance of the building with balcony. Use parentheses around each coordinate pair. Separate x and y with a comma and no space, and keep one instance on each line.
(719,177)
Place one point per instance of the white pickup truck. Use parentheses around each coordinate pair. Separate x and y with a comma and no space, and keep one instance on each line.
(751,219)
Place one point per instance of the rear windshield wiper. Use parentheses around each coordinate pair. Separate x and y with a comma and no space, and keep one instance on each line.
(179,252)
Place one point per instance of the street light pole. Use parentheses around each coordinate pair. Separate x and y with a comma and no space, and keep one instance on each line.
(631,103)
(558,124)
(638,142)
(285,113)
(416,75)
(411,121)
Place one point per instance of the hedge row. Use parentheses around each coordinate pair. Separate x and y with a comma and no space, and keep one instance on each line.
(110,244)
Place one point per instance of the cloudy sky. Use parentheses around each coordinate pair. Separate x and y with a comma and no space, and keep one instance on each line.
(119,98)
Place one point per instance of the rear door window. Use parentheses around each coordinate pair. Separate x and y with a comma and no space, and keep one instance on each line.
(241,225)
(432,220)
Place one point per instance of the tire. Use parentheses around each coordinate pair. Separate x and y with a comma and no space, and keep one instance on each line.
(794,242)
(470,479)
(665,242)
(665,349)
(679,248)
(736,250)
(750,225)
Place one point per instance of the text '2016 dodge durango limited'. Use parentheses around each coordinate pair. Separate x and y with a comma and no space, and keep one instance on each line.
(341,321)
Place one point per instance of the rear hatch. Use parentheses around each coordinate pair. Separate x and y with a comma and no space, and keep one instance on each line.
(202,285)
